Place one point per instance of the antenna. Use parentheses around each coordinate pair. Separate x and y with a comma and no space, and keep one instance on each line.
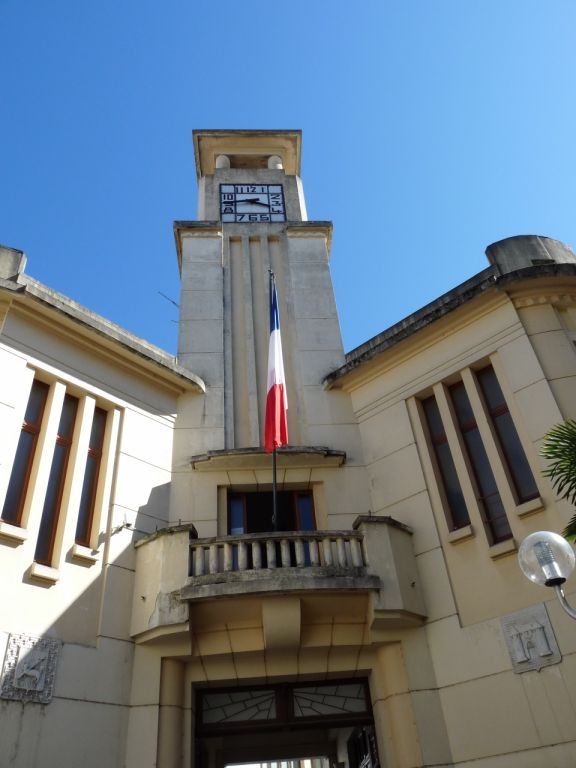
(169,299)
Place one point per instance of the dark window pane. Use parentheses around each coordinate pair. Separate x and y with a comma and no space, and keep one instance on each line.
(67,418)
(36,403)
(433,418)
(51,509)
(462,406)
(87,501)
(18,478)
(18,483)
(452,487)
(523,480)
(91,474)
(496,518)
(305,512)
(252,512)
(458,513)
(97,431)
(479,459)
(236,515)
(489,497)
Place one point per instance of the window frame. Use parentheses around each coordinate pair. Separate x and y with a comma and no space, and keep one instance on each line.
(57,477)
(47,554)
(88,496)
(27,428)
(513,506)
(242,495)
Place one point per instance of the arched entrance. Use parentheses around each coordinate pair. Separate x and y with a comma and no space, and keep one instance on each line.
(309,724)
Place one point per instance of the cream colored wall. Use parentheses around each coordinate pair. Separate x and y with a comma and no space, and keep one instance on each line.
(492,716)
(84,602)
(224,335)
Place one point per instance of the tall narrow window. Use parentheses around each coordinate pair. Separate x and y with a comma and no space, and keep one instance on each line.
(18,484)
(51,509)
(91,475)
(522,478)
(490,501)
(457,511)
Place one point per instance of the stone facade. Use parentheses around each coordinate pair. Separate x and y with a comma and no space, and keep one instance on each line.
(152,619)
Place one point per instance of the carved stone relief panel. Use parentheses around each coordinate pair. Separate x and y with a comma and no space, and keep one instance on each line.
(29,669)
(530,639)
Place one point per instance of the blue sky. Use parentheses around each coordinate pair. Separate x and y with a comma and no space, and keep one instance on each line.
(431,128)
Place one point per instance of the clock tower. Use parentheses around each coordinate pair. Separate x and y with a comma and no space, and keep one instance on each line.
(251,219)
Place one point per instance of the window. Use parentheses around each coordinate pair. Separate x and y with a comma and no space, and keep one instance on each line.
(476,452)
(458,516)
(62,447)
(25,452)
(53,498)
(91,476)
(334,703)
(488,495)
(252,512)
(522,478)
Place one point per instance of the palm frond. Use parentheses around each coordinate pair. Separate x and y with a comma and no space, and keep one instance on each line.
(569,532)
(559,448)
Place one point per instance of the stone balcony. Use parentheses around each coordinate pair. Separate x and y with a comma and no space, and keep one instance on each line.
(175,569)
(277,562)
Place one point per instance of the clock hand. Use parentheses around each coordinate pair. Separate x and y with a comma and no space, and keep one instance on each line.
(252,201)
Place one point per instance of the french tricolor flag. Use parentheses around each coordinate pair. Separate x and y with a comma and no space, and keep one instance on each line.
(276,425)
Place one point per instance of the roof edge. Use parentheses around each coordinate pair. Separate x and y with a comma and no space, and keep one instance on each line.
(442,306)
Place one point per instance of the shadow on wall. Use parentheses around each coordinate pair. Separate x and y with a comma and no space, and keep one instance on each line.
(67,652)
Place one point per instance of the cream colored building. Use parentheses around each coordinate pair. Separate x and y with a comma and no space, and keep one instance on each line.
(153,616)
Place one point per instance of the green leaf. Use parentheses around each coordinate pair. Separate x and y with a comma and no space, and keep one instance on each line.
(559,449)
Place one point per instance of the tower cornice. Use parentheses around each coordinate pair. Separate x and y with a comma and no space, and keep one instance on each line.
(246,148)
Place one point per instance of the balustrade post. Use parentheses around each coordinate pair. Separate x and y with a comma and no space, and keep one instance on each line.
(213,558)
(341,550)
(314,553)
(285,553)
(198,560)
(271,553)
(227,556)
(242,556)
(356,552)
(299,550)
(327,548)
(256,555)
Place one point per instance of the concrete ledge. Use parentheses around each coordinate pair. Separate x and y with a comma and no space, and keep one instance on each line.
(267,580)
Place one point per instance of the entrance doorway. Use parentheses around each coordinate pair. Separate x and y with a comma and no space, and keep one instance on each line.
(326,724)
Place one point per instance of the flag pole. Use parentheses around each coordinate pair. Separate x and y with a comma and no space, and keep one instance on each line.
(274,486)
(276,425)
(274,505)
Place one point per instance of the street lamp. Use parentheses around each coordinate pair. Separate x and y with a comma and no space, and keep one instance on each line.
(547,559)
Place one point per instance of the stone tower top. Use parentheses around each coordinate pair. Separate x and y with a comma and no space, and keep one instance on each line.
(249,177)
(250,149)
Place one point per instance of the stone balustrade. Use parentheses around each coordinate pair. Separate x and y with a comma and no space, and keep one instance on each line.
(341,550)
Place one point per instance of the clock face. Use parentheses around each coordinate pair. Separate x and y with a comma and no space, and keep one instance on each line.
(251,203)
